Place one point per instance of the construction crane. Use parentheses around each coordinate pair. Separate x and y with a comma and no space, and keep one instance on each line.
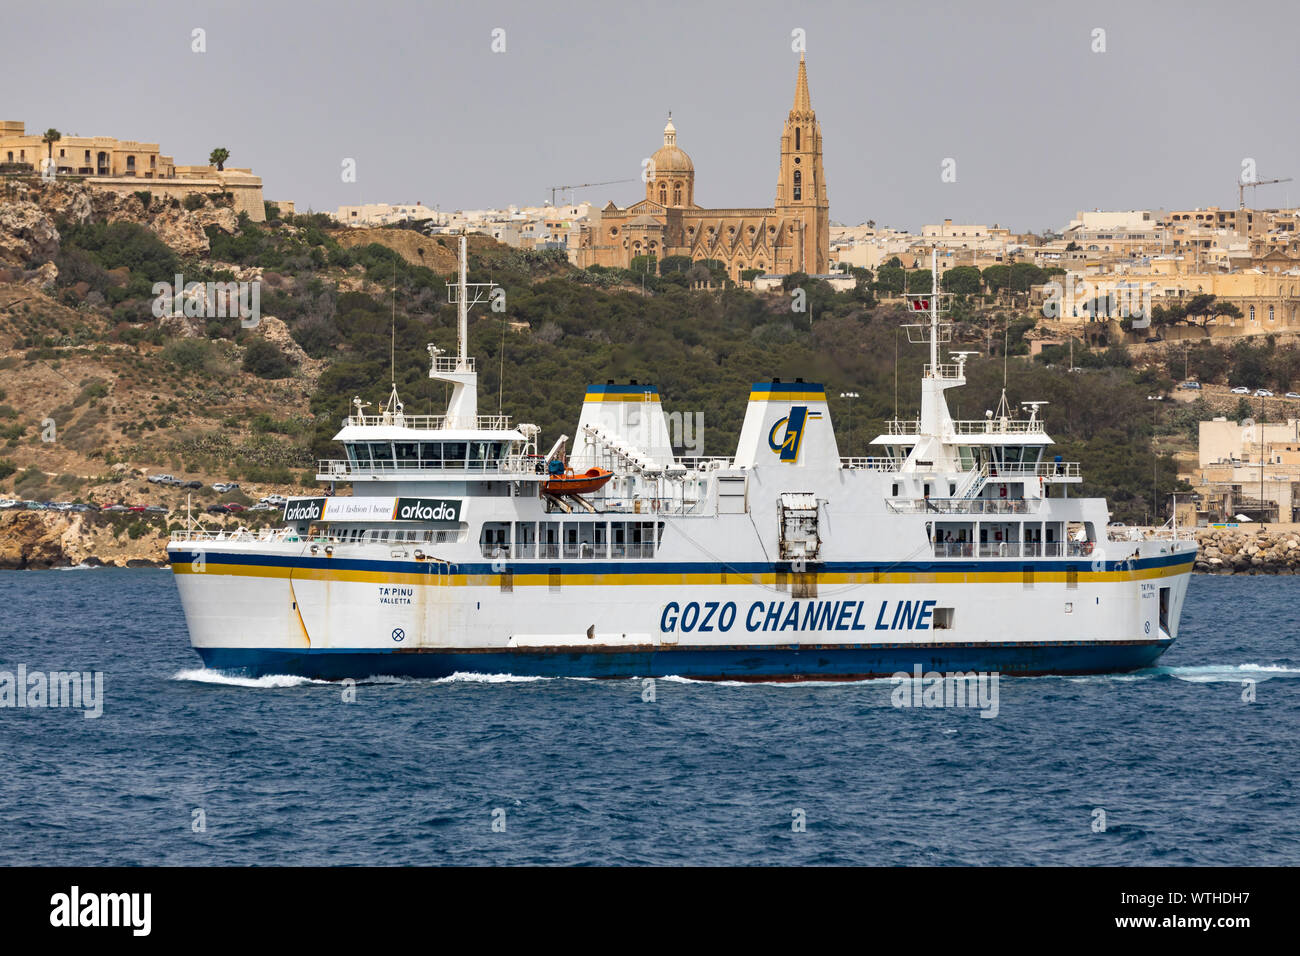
(608,182)
(1241,188)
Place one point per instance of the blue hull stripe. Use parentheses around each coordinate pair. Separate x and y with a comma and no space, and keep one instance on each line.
(729,663)
(681,567)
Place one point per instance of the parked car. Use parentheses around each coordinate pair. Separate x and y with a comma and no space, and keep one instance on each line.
(117,507)
(9,503)
(235,507)
(262,506)
(161,479)
(1241,390)
(217,510)
(279,500)
(192,484)
(1263,393)
(1293,394)
(224,486)
(1190,384)
(156,509)
(136,509)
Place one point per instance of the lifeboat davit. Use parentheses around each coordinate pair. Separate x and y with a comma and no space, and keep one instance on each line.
(570,483)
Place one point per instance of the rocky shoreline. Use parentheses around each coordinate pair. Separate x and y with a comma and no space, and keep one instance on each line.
(35,540)
(1248,550)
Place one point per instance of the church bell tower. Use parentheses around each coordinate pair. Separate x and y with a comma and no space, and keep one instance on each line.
(801,186)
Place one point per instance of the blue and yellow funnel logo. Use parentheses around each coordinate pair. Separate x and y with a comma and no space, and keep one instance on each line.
(787,446)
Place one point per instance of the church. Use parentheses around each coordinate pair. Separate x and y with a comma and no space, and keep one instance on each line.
(793,235)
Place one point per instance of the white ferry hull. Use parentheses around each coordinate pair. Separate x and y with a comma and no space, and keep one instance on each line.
(256,614)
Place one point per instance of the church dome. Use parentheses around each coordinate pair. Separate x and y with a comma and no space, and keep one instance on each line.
(668,158)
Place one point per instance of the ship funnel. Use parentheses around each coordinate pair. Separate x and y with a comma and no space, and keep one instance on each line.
(789,423)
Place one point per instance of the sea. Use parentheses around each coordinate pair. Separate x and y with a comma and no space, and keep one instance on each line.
(1191,762)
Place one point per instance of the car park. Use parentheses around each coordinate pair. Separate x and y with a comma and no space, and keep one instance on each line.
(1241,390)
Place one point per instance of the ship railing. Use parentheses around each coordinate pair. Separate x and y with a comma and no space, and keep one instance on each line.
(964,506)
(647,507)
(1013,549)
(705,463)
(451,363)
(873,464)
(342,468)
(975,426)
(235,534)
(945,370)
(496,423)
(997,426)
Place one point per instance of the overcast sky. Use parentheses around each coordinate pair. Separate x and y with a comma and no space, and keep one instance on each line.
(1039,125)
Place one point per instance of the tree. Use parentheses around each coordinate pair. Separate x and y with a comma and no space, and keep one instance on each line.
(218,158)
(997,278)
(265,360)
(890,278)
(1205,308)
(51,137)
(963,280)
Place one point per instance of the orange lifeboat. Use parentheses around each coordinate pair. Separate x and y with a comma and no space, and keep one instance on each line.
(568,483)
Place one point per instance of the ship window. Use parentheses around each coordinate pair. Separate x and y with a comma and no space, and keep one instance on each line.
(943,618)
(381,453)
(548,539)
(525,539)
(408,453)
(894,493)
(453,454)
(431,454)
(494,541)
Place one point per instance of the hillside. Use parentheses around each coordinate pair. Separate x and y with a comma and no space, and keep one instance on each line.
(96,392)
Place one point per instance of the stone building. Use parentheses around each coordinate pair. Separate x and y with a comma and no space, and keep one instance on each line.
(792,235)
(119,165)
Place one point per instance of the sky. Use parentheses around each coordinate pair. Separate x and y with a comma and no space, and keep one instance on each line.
(1041,115)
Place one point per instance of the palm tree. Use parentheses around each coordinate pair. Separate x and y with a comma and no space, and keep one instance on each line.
(51,137)
(218,157)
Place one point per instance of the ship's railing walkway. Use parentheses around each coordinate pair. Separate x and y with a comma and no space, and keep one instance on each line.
(911,427)
(873,464)
(339,469)
(236,534)
(1013,549)
(496,423)
(965,506)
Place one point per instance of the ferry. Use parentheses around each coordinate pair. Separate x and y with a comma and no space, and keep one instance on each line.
(957,547)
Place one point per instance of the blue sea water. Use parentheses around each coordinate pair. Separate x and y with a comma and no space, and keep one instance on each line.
(283,771)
